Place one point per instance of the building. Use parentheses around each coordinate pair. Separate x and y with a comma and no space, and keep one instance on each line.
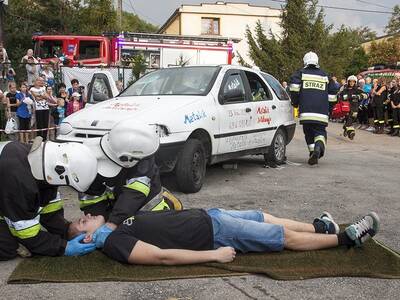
(222,19)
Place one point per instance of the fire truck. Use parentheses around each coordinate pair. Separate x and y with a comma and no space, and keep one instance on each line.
(110,49)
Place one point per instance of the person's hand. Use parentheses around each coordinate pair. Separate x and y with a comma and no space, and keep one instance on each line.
(75,247)
(225,254)
(100,235)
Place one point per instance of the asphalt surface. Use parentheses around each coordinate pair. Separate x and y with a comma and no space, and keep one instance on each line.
(354,178)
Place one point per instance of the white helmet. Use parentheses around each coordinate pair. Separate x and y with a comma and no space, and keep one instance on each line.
(70,164)
(352,78)
(310,58)
(124,146)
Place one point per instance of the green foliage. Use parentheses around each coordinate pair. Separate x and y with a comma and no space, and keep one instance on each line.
(394,24)
(303,30)
(139,66)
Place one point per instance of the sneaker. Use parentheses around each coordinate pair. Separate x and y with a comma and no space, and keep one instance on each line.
(370,129)
(363,229)
(331,227)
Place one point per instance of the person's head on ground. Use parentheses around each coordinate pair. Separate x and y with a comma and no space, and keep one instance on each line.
(12,87)
(310,59)
(127,143)
(63,164)
(87,225)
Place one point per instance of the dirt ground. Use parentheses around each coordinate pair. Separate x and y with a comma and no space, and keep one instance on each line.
(354,178)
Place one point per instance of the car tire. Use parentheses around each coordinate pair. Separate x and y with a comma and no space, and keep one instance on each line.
(190,169)
(277,150)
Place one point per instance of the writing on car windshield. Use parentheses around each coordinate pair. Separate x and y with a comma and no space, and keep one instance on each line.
(174,81)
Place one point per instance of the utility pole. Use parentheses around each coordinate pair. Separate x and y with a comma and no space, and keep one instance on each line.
(119,14)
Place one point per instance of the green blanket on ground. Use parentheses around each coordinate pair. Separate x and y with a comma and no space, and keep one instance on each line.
(372,260)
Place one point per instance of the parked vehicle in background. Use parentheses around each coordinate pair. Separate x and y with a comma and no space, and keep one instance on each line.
(203,114)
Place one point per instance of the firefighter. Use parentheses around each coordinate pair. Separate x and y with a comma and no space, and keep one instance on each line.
(395,104)
(29,197)
(352,93)
(379,96)
(309,91)
(128,178)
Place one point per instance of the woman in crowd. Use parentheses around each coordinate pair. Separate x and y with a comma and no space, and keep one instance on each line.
(12,105)
(40,96)
(52,102)
(48,75)
(24,111)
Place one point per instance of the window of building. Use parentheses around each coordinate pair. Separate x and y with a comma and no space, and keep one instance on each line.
(210,26)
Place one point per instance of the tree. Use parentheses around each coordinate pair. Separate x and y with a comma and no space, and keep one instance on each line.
(139,66)
(393,26)
(385,52)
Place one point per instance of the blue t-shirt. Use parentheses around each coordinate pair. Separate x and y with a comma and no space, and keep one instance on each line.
(367,88)
(61,114)
(22,110)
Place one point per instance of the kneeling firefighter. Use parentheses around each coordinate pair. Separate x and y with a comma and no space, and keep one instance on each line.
(128,178)
(352,93)
(29,199)
(309,91)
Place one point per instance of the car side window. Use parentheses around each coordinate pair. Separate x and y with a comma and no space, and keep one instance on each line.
(259,90)
(100,90)
(280,92)
(233,90)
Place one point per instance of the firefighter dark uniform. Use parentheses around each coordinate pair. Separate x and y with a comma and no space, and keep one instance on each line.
(379,108)
(354,96)
(133,189)
(309,92)
(27,204)
(395,101)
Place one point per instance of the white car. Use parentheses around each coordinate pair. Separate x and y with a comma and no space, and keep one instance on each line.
(204,115)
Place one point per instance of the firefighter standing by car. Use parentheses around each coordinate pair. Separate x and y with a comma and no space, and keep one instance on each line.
(309,92)
(29,197)
(395,104)
(353,94)
(128,178)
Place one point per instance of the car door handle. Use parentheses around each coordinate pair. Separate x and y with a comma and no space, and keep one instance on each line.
(248,109)
(273,107)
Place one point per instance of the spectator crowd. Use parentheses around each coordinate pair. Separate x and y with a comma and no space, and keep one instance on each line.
(37,102)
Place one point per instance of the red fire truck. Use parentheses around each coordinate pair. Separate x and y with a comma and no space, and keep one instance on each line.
(160,50)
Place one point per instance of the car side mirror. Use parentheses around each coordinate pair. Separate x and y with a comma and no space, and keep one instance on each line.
(233,95)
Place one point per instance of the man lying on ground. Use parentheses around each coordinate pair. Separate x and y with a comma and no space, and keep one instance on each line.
(198,236)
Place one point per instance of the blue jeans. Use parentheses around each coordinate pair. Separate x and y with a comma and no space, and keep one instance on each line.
(245,231)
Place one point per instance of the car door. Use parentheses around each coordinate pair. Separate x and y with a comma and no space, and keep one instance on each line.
(234,113)
(264,109)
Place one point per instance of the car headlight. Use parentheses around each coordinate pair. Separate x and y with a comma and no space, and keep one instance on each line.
(65,128)
(162,130)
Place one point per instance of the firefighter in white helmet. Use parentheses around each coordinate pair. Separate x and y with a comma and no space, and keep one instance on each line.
(354,95)
(128,178)
(309,91)
(29,198)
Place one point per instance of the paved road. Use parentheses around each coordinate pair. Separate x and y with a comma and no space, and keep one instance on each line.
(355,177)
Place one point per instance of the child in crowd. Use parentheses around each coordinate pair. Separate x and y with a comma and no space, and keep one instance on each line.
(24,111)
(59,112)
(74,104)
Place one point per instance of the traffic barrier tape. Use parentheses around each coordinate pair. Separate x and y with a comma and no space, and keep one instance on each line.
(31,130)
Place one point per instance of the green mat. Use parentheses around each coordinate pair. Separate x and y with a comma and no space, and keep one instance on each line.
(373,260)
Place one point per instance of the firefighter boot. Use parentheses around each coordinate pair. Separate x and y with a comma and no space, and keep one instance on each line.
(344,131)
(316,154)
(351,134)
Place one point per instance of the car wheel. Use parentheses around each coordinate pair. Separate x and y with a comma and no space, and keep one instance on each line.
(191,167)
(277,150)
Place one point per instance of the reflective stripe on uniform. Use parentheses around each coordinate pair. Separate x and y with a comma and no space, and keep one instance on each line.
(376,121)
(1,218)
(311,147)
(293,87)
(314,117)
(163,205)
(86,200)
(381,122)
(320,138)
(140,184)
(332,98)
(24,229)
(54,205)
(350,128)
(311,77)
(394,126)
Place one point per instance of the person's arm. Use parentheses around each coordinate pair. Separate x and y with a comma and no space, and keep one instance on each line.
(381,90)
(294,88)
(147,254)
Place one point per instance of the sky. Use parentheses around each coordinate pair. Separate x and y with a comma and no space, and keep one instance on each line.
(376,21)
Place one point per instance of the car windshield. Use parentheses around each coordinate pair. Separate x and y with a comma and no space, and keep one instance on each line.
(174,81)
